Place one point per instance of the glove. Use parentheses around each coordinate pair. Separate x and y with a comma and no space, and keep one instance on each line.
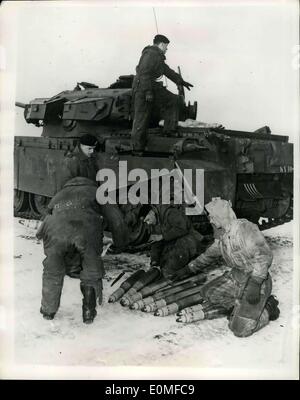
(181,274)
(149,97)
(253,291)
(187,85)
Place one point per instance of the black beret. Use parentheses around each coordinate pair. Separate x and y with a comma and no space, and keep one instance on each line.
(88,140)
(160,39)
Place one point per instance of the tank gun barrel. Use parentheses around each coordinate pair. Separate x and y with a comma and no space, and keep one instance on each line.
(19,104)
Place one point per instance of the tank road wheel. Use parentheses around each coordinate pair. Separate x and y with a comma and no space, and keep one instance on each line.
(21,202)
(38,204)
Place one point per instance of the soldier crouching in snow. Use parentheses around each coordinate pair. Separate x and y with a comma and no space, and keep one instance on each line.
(179,243)
(74,224)
(245,291)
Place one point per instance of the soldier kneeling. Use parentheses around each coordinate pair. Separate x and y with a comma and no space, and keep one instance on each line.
(243,292)
(74,224)
(179,243)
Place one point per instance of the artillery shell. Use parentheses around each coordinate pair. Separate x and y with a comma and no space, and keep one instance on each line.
(116,295)
(146,301)
(196,307)
(125,286)
(174,298)
(148,277)
(191,317)
(154,306)
(126,301)
(136,297)
(215,312)
(194,278)
(155,287)
(130,281)
(189,301)
(135,306)
(211,313)
(167,310)
(140,304)
(131,292)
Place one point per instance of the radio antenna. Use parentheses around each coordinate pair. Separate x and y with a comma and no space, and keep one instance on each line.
(156,24)
(155,19)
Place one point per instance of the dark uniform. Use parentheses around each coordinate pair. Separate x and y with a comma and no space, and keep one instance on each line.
(78,164)
(152,66)
(180,244)
(73,225)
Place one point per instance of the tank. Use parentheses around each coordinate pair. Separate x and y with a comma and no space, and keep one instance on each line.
(254,170)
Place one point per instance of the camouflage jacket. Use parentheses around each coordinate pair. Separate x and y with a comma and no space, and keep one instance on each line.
(151,67)
(243,248)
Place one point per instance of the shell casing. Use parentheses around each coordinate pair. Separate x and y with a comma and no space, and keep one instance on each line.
(167,310)
(154,306)
(116,295)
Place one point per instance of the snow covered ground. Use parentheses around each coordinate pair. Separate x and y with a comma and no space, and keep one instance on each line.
(121,337)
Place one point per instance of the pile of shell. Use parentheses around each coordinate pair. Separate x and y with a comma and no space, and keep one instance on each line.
(148,292)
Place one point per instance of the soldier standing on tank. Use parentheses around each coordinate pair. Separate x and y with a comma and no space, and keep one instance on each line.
(147,93)
(245,290)
(73,224)
(81,161)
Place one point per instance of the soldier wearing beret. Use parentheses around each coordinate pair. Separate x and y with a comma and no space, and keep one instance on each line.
(147,93)
(81,161)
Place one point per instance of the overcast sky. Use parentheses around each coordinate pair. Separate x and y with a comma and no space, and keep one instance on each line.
(238,55)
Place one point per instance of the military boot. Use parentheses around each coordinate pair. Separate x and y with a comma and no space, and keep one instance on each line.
(272,308)
(48,316)
(88,303)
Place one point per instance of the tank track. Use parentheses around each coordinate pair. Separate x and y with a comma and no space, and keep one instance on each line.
(27,215)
